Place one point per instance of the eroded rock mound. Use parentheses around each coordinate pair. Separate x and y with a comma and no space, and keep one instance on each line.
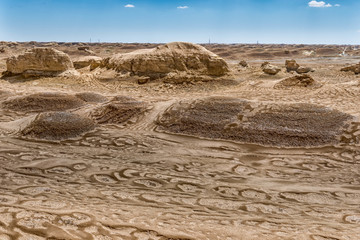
(120,110)
(92,61)
(354,68)
(169,58)
(58,126)
(41,102)
(269,69)
(303,80)
(39,62)
(290,125)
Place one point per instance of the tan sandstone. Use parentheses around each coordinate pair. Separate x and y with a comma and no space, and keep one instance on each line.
(173,57)
(39,62)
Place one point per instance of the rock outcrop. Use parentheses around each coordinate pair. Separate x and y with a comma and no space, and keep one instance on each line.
(39,62)
(269,69)
(176,57)
(354,68)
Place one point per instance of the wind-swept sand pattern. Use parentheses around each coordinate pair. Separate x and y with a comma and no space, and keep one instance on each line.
(258,161)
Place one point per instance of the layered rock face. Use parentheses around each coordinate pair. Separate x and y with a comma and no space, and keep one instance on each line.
(172,57)
(39,62)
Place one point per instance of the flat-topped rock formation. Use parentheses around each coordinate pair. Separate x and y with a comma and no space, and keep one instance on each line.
(169,58)
(39,62)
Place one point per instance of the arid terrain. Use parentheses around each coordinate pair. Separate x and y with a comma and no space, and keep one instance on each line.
(122,149)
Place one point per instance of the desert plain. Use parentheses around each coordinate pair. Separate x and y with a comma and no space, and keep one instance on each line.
(179,141)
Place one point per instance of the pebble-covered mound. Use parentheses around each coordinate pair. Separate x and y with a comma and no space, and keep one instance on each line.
(58,126)
(290,125)
(39,62)
(91,97)
(176,57)
(120,110)
(40,102)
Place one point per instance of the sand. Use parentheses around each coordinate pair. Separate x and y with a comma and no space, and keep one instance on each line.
(131,173)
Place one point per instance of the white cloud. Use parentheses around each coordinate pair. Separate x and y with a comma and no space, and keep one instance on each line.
(320,4)
(129,6)
(182,7)
(337,5)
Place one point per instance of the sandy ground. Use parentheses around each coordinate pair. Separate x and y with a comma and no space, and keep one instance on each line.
(129,180)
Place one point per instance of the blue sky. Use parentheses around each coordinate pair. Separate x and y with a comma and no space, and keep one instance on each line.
(223,21)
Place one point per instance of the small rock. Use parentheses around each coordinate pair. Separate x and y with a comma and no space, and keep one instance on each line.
(83,48)
(143,80)
(243,63)
(291,65)
(270,69)
(302,70)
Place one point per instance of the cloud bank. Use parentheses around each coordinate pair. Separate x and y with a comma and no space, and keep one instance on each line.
(129,6)
(320,4)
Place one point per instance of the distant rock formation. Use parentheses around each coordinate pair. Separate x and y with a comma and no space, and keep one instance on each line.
(92,61)
(39,62)
(176,57)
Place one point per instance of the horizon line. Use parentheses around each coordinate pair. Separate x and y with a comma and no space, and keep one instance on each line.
(204,43)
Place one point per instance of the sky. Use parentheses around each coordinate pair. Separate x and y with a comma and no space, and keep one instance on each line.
(160,21)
